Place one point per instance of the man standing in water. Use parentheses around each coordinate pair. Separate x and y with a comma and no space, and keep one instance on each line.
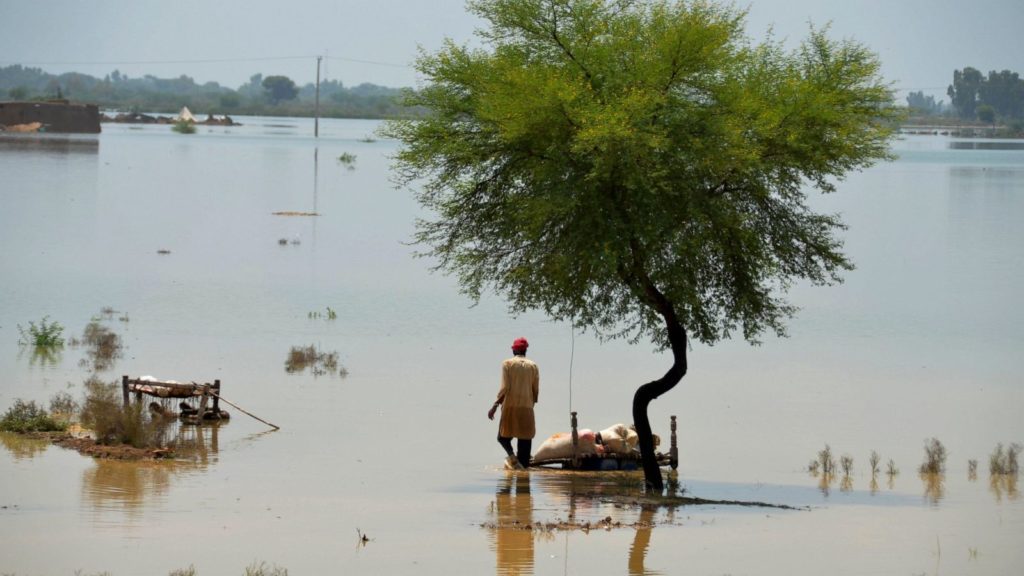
(520,388)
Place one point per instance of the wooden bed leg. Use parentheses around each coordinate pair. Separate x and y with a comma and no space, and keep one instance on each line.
(673,453)
(575,441)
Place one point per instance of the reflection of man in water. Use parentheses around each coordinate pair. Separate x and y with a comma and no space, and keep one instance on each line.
(520,388)
(513,545)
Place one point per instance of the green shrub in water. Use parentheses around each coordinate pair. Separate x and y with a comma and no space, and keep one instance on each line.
(46,334)
(28,417)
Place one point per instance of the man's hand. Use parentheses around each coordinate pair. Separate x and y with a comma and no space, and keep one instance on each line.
(490,413)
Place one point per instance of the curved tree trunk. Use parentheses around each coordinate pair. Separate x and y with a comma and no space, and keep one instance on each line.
(650,391)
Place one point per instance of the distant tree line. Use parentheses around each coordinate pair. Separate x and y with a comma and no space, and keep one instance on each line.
(1000,96)
(270,95)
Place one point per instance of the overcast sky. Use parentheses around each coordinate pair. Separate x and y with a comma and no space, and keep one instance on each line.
(920,42)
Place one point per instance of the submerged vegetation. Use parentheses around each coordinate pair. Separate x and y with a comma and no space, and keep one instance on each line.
(102,346)
(319,362)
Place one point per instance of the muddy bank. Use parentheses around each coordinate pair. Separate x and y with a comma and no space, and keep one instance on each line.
(89,447)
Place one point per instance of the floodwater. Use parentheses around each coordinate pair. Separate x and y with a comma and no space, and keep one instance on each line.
(922,340)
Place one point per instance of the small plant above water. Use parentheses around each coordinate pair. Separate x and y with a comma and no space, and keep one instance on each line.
(347,160)
(874,461)
(329,314)
(846,462)
(46,334)
(827,461)
(891,468)
(1003,462)
(184,127)
(934,457)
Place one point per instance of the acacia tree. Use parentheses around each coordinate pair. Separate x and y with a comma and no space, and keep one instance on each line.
(638,168)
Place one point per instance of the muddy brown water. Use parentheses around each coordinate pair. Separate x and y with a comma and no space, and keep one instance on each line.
(921,340)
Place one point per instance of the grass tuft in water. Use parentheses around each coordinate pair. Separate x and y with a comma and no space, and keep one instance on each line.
(891,469)
(319,362)
(190,571)
(934,457)
(846,462)
(1003,462)
(827,461)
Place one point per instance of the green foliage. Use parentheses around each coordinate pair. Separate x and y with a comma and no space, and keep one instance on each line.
(986,114)
(28,417)
(614,163)
(152,94)
(46,334)
(348,160)
(279,88)
(184,127)
(112,423)
(1003,92)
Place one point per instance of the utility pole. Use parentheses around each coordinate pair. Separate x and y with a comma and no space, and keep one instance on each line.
(316,122)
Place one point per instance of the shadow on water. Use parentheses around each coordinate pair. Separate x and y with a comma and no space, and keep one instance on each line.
(58,144)
(985,145)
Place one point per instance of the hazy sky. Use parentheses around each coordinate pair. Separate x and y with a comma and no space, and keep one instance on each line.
(920,42)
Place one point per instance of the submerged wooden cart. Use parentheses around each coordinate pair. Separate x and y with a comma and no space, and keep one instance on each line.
(611,461)
(188,413)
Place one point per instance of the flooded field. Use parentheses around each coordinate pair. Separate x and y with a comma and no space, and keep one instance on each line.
(177,235)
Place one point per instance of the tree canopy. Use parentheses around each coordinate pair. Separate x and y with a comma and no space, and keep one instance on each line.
(639,168)
(279,88)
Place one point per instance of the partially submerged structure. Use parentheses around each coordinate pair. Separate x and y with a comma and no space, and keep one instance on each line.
(50,116)
(208,395)
(581,455)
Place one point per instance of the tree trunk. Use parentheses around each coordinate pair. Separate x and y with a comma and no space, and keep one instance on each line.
(650,391)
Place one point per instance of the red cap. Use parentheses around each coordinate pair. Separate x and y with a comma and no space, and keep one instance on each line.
(520,344)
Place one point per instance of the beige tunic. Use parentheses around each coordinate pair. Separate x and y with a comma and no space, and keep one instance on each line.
(520,389)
